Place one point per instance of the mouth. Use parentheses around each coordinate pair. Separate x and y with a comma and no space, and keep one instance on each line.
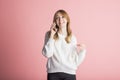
(61,22)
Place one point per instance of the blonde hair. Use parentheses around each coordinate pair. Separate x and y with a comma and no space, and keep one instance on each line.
(69,32)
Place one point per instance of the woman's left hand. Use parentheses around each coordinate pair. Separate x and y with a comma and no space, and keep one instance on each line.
(81,46)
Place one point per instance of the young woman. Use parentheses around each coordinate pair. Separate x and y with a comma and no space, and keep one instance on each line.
(61,48)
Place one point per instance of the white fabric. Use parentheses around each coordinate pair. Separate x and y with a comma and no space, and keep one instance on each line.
(63,56)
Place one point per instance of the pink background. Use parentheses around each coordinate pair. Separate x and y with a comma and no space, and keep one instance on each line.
(23,24)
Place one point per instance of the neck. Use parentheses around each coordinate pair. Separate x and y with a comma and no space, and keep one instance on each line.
(63,30)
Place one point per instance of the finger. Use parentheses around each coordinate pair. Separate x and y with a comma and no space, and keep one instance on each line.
(52,26)
(54,23)
(78,45)
(56,29)
(82,46)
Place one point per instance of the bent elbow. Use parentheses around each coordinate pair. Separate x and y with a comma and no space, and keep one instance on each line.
(46,53)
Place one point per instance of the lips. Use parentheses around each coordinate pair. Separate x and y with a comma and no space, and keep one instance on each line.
(61,22)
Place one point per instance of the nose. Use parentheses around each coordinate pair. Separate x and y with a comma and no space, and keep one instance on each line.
(60,19)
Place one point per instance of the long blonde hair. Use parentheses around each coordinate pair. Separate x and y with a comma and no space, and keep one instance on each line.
(69,32)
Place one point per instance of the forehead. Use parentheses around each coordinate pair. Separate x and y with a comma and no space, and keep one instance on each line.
(59,14)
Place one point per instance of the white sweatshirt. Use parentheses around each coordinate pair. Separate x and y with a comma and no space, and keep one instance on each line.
(62,56)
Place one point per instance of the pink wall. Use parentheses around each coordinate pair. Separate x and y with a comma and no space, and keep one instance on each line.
(23,24)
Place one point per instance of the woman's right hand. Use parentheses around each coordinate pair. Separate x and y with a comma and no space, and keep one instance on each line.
(53,30)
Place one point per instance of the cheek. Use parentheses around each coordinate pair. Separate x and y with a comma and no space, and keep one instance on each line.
(65,20)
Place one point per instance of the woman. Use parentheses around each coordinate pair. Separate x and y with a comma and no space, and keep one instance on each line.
(61,49)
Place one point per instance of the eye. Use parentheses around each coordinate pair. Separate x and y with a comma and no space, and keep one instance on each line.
(63,17)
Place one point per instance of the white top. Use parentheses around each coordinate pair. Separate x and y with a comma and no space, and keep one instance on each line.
(62,56)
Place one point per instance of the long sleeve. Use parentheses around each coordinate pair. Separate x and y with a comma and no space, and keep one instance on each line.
(48,47)
(62,56)
(79,55)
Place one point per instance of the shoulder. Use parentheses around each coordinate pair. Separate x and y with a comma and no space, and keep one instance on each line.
(47,34)
(73,39)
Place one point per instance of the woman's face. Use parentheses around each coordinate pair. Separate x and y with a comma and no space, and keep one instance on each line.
(61,21)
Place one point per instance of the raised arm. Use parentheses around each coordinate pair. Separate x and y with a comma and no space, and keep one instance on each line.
(48,47)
